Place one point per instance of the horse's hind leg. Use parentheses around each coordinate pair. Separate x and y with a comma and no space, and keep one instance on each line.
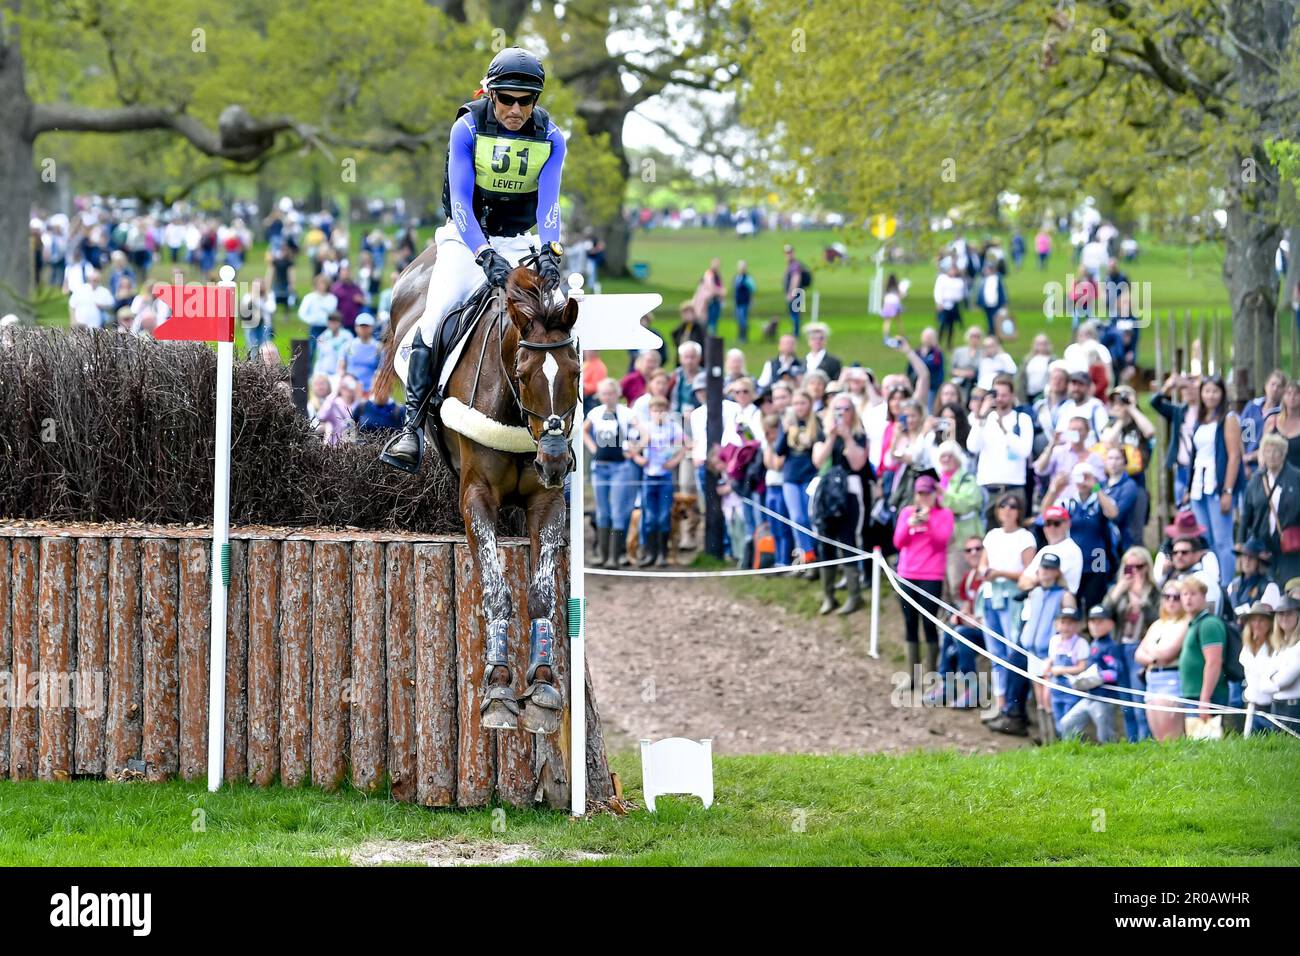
(548,531)
(479,506)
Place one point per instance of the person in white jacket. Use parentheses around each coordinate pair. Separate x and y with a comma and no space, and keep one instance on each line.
(1257,660)
(1282,675)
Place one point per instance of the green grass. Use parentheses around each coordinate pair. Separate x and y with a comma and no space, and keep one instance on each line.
(1229,803)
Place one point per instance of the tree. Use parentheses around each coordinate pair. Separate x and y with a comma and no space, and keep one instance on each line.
(947,103)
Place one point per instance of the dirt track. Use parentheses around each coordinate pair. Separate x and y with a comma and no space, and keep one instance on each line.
(691,659)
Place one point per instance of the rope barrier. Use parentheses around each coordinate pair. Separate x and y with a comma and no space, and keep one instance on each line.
(857,554)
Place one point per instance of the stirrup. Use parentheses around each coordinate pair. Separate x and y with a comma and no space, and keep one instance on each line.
(399,463)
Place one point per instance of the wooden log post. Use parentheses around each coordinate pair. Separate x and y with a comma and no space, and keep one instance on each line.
(124,726)
(475,749)
(295,662)
(399,649)
(516,777)
(235,759)
(195,613)
(23,718)
(6,654)
(330,652)
(160,606)
(58,643)
(367,691)
(438,669)
(92,656)
(263,662)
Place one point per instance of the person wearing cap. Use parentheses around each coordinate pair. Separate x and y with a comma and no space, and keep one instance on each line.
(1106,656)
(1027,652)
(605,433)
(502,175)
(1158,655)
(1188,556)
(361,355)
(1091,515)
(1252,583)
(1002,437)
(1056,530)
(921,535)
(1282,674)
(1081,403)
(1272,504)
(1201,672)
(1257,653)
(1067,656)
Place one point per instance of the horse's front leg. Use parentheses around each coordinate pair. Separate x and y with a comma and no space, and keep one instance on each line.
(479,506)
(548,532)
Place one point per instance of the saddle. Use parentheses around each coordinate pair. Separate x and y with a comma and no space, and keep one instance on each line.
(450,335)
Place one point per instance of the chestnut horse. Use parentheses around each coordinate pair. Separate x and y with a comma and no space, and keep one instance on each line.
(515,394)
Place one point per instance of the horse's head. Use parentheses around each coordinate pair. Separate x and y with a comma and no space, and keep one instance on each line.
(546,369)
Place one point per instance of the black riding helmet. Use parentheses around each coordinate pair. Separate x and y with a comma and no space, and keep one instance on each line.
(515,69)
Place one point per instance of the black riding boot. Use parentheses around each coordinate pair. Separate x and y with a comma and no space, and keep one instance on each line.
(828,590)
(602,543)
(651,545)
(661,557)
(419,382)
(617,539)
(853,578)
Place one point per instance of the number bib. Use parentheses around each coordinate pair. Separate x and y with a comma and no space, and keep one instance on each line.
(507,164)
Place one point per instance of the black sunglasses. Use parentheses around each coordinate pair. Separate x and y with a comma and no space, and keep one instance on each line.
(1053,524)
(505,99)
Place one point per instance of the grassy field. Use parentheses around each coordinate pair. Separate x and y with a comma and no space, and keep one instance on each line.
(1222,804)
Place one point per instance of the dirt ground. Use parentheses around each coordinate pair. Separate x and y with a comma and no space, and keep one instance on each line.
(693,659)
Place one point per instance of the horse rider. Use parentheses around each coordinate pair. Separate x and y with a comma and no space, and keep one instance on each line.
(502,179)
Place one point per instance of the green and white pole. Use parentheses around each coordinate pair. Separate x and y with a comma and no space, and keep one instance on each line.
(220,557)
(604,322)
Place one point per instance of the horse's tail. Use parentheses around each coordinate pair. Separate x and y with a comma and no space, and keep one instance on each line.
(386,372)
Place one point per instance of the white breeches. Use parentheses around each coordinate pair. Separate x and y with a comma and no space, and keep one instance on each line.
(456,275)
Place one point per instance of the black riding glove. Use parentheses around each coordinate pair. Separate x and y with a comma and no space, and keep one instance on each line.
(548,267)
(494,267)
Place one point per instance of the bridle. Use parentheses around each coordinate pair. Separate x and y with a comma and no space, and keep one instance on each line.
(553,425)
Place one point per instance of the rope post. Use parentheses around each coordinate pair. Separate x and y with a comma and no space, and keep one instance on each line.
(714,527)
(875,602)
(1250,719)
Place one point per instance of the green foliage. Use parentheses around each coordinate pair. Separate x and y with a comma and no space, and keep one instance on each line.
(922,109)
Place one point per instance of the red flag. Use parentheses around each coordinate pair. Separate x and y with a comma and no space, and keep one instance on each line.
(200,313)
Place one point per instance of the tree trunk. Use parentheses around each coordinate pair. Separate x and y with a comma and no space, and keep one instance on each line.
(17,185)
(1252,236)
(606,117)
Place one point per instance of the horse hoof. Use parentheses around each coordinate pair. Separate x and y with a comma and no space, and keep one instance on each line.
(540,720)
(497,716)
(542,705)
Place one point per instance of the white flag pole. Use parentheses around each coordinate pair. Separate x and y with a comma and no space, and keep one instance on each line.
(604,322)
(220,557)
(577,630)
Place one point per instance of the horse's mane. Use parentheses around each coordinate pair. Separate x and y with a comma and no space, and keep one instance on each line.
(529,298)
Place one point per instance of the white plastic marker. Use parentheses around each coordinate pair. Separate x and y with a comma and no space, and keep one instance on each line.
(202,313)
(220,557)
(604,322)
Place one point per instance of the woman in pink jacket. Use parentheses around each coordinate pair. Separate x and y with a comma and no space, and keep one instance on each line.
(921,536)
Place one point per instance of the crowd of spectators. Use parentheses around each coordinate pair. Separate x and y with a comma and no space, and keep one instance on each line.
(1014,489)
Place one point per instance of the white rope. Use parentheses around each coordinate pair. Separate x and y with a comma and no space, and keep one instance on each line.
(733,572)
(1194,709)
